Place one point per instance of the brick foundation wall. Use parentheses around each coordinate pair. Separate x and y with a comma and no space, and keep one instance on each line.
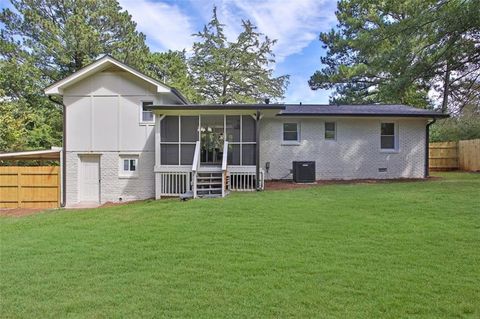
(112,186)
(354,154)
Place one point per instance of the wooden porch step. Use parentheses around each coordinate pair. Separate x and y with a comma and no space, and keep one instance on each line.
(208,189)
(210,173)
(209,177)
(209,183)
(210,195)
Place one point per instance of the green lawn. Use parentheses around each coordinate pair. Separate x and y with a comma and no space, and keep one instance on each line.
(349,251)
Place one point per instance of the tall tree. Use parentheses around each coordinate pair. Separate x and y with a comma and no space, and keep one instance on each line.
(43,41)
(399,51)
(171,68)
(65,35)
(235,72)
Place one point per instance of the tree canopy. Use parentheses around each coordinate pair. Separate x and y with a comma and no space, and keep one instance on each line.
(43,41)
(171,68)
(65,35)
(235,72)
(400,51)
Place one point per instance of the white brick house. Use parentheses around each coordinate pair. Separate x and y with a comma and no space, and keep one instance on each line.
(128,136)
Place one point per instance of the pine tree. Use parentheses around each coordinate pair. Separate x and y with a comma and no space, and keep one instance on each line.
(235,72)
(398,51)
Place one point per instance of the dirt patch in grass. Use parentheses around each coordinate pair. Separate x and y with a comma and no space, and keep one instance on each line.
(289,184)
(20,212)
(110,204)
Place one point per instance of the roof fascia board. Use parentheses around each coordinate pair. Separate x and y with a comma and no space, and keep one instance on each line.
(220,107)
(29,153)
(361,115)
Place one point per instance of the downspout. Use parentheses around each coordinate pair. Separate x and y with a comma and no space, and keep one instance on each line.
(257,151)
(64,151)
(427,149)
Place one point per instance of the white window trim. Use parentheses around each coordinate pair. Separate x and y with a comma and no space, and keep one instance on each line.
(325,130)
(141,121)
(297,142)
(396,140)
(127,174)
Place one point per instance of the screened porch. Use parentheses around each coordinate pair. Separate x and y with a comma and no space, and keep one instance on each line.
(200,153)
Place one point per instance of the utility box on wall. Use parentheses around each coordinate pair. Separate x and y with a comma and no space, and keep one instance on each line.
(304,172)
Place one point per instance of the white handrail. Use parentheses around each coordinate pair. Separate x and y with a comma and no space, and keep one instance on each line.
(195,166)
(225,155)
(224,167)
(196,157)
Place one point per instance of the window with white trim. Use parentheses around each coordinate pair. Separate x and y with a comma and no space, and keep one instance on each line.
(290,132)
(388,136)
(128,166)
(330,130)
(147,115)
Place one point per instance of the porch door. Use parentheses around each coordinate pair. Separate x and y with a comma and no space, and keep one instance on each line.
(89,178)
(211,139)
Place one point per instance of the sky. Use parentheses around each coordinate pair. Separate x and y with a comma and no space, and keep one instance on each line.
(295,24)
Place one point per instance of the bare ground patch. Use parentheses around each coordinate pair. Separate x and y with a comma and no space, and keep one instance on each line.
(289,184)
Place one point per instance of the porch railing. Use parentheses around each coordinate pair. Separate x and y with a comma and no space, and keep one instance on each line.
(243,179)
(174,180)
(174,183)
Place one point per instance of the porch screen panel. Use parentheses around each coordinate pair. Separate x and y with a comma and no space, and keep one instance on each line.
(233,154)
(233,128)
(169,154)
(248,154)
(169,129)
(248,129)
(186,152)
(189,128)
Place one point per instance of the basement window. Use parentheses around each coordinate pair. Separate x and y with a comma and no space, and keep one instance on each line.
(128,166)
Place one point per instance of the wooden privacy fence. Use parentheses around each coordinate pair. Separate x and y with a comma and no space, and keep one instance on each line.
(29,186)
(463,155)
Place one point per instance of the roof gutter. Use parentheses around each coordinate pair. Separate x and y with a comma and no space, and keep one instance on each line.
(364,115)
(63,161)
(427,148)
(215,107)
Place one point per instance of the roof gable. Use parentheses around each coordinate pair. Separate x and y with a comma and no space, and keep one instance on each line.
(107,62)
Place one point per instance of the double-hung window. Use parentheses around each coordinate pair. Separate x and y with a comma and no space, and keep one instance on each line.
(290,133)
(388,139)
(330,131)
(147,115)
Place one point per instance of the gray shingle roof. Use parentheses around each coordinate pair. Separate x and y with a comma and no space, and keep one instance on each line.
(367,110)
(397,110)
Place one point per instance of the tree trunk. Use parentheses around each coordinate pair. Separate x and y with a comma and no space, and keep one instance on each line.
(446,88)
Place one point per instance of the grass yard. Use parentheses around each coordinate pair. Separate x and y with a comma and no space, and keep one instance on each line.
(387,250)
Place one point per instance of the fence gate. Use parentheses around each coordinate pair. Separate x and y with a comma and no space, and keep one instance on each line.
(29,186)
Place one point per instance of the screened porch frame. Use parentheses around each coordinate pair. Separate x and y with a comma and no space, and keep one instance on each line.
(179,142)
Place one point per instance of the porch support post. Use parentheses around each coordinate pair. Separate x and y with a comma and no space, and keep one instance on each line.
(257,151)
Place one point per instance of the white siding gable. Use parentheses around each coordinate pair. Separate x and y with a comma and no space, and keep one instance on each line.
(103,113)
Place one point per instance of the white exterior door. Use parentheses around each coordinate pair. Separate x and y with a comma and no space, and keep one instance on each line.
(89,190)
